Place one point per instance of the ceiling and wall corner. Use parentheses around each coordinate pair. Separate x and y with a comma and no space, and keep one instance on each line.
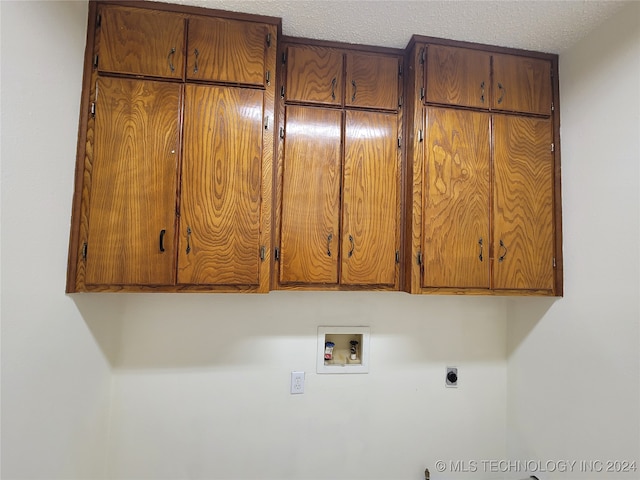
(547,26)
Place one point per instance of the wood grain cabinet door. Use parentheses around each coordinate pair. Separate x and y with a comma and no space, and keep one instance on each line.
(224,50)
(458,76)
(523,204)
(314,75)
(220,214)
(456,210)
(131,236)
(521,84)
(372,81)
(136,41)
(370,199)
(311,196)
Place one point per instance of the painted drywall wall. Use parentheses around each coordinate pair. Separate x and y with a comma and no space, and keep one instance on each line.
(201,387)
(55,376)
(574,366)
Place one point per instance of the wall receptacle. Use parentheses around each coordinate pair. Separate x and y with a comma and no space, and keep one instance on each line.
(297,382)
(451,378)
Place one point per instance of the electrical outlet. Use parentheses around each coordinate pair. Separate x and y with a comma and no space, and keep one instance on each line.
(451,379)
(297,382)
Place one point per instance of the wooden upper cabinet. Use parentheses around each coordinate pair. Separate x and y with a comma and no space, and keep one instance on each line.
(131,233)
(521,84)
(523,237)
(372,81)
(455,235)
(457,76)
(311,196)
(314,75)
(220,213)
(370,227)
(224,50)
(137,41)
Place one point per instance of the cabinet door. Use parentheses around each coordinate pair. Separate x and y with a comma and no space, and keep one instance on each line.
(220,214)
(456,208)
(311,196)
(223,50)
(523,208)
(372,81)
(141,42)
(521,84)
(131,239)
(370,199)
(458,76)
(314,75)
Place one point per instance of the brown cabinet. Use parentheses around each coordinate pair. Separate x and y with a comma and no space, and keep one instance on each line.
(136,41)
(372,81)
(175,177)
(457,76)
(484,186)
(314,75)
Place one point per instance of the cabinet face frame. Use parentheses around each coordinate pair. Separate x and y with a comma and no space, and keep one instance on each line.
(76,271)
(415,168)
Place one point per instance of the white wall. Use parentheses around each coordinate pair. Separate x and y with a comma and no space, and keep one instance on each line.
(55,377)
(574,366)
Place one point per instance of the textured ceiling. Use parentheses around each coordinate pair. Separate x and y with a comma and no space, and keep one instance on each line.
(548,26)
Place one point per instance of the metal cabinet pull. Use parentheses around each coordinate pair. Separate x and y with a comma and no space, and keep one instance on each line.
(195,66)
(353,246)
(188,240)
(355,90)
(481,257)
(170,59)
(502,92)
(162,232)
(333,88)
(505,251)
(329,238)
(482,92)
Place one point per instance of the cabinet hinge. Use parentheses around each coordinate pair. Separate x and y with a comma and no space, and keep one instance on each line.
(397,256)
(419,258)
(84,251)
(282,92)
(553,147)
(99,20)
(553,107)
(399,142)
(263,253)
(267,77)
(268,39)
(266,122)
(95,61)
(423,56)
(420,135)
(93,109)
(282,133)
(276,254)
(400,101)
(400,72)
(284,57)
(554,262)
(421,93)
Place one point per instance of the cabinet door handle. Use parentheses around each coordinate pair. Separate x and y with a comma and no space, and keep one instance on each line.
(162,232)
(504,254)
(481,257)
(333,88)
(502,92)
(482,92)
(170,59)
(188,240)
(196,53)
(353,246)
(329,238)
(355,90)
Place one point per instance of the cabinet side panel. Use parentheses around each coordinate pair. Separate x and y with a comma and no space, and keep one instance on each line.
(370,213)
(219,238)
(456,220)
(311,196)
(133,183)
(523,242)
